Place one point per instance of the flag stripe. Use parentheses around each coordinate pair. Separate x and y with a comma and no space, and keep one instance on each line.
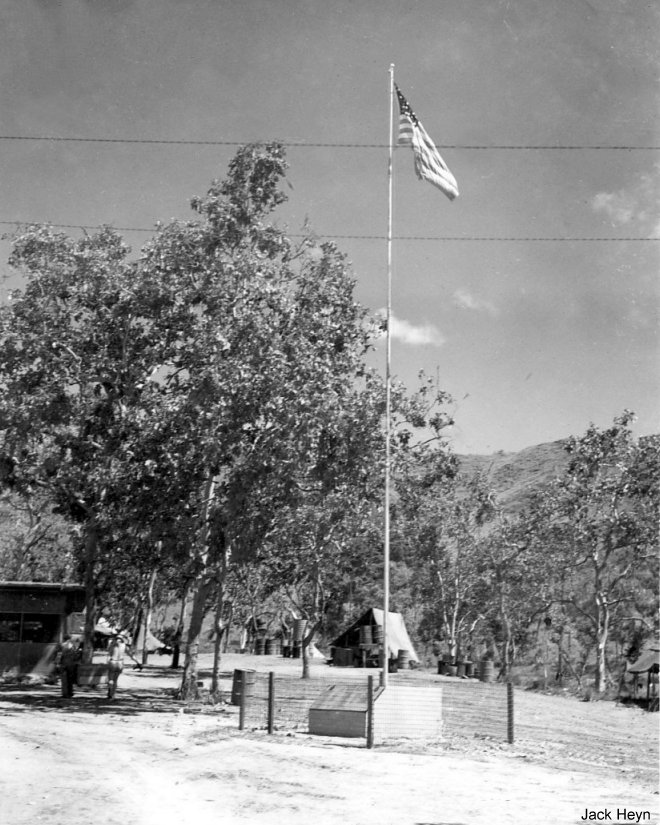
(429,164)
(405,131)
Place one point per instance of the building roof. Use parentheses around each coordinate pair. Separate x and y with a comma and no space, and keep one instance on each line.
(41,597)
(53,587)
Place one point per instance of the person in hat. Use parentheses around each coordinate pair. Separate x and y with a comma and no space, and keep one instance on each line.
(116,653)
(67,660)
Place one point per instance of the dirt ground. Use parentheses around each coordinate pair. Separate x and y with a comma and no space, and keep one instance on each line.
(146,760)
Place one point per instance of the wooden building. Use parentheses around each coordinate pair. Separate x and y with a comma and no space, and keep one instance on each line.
(645,674)
(34,618)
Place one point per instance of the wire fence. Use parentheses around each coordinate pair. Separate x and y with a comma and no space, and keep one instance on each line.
(349,704)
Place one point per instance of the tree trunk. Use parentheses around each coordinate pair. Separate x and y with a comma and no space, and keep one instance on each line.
(560,657)
(305,658)
(545,657)
(230,620)
(453,640)
(147,614)
(178,633)
(189,689)
(220,625)
(306,641)
(507,646)
(90,591)
(217,654)
(601,644)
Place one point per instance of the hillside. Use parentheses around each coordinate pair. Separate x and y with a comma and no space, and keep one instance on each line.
(515,476)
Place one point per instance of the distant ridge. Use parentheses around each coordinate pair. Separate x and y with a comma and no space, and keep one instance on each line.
(514,477)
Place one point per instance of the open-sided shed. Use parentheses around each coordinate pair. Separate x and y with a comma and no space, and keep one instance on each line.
(647,664)
(33,620)
(363,638)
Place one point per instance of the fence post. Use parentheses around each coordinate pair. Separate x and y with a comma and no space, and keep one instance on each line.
(509,712)
(241,711)
(271,700)
(370,712)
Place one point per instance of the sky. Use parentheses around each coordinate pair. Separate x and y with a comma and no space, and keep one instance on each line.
(546,112)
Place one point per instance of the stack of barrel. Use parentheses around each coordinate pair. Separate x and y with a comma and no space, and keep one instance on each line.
(269,647)
(377,635)
(299,626)
(273,647)
(342,657)
(487,670)
(484,671)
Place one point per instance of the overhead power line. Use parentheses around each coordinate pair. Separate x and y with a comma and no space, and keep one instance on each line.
(306,144)
(489,238)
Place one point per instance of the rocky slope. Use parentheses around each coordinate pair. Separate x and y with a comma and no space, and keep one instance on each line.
(515,476)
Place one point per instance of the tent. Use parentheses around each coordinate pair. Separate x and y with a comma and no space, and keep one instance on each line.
(103,628)
(649,660)
(313,652)
(397,635)
(154,645)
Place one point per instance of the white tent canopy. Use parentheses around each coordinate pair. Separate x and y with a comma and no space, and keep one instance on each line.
(153,644)
(397,635)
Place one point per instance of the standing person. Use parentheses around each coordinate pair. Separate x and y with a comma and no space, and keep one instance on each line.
(176,646)
(116,653)
(68,664)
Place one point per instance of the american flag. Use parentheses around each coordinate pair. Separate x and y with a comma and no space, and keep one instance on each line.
(429,165)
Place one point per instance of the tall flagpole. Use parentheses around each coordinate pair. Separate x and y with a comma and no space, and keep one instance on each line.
(388,395)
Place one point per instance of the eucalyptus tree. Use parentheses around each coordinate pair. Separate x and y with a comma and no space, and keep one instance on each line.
(520,577)
(154,398)
(315,547)
(75,354)
(607,507)
(445,518)
(256,337)
(35,543)
(325,542)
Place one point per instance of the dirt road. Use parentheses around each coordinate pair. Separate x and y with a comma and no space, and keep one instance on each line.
(143,761)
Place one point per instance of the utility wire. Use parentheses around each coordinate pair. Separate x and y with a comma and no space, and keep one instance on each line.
(488,238)
(306,144)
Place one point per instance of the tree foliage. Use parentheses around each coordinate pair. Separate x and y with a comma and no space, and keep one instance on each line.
(605,510)
(202,412)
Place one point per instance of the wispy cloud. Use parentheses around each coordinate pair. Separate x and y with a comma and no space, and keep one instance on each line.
(464,300)
(415,335)
(619,206)
(638,204)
